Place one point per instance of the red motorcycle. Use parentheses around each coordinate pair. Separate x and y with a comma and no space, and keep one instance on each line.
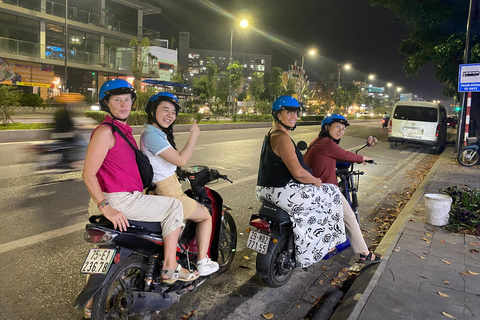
(124,268)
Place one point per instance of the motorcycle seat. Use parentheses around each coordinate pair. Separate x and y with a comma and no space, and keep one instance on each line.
(271,210)
(153,227)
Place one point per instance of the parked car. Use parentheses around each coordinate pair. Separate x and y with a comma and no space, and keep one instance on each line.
(452,122)
(418,123)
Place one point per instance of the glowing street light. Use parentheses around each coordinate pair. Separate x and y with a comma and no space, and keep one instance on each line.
(371,77)
(346,67)
(311,52)
(243,24)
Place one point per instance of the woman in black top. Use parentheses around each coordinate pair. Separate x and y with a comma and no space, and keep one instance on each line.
(285,180)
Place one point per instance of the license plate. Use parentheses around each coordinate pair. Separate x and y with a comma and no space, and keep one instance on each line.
(258,241)
(98,261)
(412,131)
(411,136)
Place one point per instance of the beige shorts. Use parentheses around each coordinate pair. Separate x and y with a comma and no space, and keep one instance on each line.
(171,187)
(141,207)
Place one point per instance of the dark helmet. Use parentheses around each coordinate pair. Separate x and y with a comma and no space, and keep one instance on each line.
(154,101)
(335,118)
(114,87)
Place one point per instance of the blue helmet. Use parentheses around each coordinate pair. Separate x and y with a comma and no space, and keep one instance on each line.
(335,118)
(155,100)
(285,102)
(115,87)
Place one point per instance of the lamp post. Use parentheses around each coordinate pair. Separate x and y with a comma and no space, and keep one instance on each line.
(301,86)
(66,45)
(371,77)
(346,67)
(399,89)
(243,24)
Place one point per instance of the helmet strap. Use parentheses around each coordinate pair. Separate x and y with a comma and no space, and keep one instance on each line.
(287,127)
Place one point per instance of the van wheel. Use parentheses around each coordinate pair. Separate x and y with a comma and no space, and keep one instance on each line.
(393,145)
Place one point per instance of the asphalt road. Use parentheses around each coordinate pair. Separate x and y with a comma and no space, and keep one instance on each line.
(43,217)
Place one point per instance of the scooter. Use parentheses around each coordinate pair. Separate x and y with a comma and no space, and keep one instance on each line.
(385,121)
(273,239)
(469,154)
(124,268)
(65,153)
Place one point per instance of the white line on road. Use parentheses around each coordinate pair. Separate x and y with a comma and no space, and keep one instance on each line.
(41,237)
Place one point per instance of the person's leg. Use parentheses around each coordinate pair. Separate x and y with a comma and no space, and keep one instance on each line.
(353,228)
(355,234)
(204,229)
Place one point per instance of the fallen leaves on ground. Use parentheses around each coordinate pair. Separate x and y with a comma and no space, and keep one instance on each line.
(324,268)
(473,273)
(441,294)
(474,244)
(474,251)
(246,257)
(268,315)
(448,315)
(188,315)
(445,261)
(446,281)
(320,283)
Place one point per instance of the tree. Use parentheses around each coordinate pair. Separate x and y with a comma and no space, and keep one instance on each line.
(290,87)
(436,34)
(272,81)
(138,60)
(9,98)
(256,86)
(235,72)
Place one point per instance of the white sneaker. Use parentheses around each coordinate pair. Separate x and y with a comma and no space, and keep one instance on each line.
(206,267)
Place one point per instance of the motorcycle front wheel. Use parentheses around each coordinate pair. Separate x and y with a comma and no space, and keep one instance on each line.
(275,267)
(128,276)
(227,244)
(468,157)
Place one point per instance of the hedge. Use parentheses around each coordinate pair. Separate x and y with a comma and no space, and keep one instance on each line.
(137,118)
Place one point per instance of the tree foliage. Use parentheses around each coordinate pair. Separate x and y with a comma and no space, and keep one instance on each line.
(256,86)
(9,98)
(138,60)
(436,34)
(272,81)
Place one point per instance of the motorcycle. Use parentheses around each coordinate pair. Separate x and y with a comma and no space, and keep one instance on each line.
(67,152)
(385,121)
(124,268)
(273,239)
(468,156)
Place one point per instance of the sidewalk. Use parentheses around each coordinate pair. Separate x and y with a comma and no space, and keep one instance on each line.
(429,273)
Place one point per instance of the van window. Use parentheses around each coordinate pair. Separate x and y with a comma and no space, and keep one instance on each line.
(414,113)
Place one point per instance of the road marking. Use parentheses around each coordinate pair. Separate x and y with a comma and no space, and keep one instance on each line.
(20,243)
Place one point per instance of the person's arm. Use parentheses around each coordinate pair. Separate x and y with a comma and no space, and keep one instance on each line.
(338,153)
(101,141)
(285,149)
(181,158)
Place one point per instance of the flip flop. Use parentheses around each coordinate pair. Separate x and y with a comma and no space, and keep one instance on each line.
(178,275)
(368,258)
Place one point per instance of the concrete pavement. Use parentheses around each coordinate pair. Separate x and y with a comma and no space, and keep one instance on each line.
(429,273)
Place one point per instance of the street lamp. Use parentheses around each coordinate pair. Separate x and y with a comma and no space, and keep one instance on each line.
(311,52)
(371,77)
(346,67)
(302,76)
(398,90)
(243,24)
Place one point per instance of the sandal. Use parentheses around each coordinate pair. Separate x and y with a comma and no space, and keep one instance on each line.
(178,275)
(87,313)
(368,258)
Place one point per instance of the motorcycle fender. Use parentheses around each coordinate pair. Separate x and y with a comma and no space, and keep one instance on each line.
(96,281)
(473,147)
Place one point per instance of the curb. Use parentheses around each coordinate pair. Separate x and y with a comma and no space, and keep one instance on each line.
(355,300)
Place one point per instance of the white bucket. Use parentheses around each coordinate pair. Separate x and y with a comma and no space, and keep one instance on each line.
(437,208)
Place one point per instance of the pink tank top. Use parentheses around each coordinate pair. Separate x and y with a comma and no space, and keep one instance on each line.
(119,171)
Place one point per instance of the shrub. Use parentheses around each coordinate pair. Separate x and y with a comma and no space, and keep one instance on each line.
(465,209)
(136,118)
(31,100)
(253,118)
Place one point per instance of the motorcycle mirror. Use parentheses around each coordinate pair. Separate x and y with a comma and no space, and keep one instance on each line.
(372,141)
(302,145)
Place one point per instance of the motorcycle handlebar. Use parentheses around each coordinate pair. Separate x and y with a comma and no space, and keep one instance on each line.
(370,161)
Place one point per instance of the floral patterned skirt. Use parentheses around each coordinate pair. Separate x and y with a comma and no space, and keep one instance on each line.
(316,214)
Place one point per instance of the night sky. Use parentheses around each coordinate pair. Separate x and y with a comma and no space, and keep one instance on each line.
(342,31)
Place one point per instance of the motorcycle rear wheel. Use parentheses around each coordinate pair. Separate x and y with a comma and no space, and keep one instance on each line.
(129,275)
(468,157)
(227,244)
(275,266)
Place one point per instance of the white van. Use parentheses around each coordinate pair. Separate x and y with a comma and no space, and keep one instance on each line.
(418,122)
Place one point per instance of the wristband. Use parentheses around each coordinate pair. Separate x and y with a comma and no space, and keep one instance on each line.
(102,204)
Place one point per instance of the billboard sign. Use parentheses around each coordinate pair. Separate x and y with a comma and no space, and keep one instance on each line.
(25,73)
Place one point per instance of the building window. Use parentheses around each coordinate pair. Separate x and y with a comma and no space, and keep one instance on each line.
(260,68)
(193,56)
(252,66)
(165,66)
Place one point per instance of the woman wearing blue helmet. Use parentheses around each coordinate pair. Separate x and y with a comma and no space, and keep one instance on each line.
(157,142)
(113,180)
(322,156)
(285,180)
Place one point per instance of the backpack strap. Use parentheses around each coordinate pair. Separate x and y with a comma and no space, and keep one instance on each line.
(117,130)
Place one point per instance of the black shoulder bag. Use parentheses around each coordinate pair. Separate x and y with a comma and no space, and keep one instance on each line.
(144,166)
